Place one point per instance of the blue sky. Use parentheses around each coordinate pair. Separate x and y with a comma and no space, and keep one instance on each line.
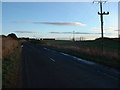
(39,19)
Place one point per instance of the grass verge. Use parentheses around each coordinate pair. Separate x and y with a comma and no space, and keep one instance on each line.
(11,70)
(89,50)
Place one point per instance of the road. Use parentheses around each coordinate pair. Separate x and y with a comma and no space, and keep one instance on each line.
(45,68)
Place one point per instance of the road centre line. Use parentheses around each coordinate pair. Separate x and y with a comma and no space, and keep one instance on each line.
(52,59)
(82,60)
(45,48)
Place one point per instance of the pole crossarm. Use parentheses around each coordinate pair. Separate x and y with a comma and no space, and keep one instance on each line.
(104,13)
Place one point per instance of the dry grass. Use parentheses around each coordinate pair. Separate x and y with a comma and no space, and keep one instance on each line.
(11,64)
(89,50)
(8,46)
(0,48)
(21,41)
(11,70)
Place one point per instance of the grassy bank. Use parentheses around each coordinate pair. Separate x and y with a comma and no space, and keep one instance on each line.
(11,63)
(8,46)
(89,50)
(11,70)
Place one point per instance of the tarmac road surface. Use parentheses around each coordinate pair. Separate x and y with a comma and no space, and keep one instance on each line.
(45,68)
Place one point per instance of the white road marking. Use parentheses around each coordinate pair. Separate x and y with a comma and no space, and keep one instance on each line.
(45,48)
(110,76)
(85,61)
(52,59)
(21,46)
(82,60)
(79,59)
(65,54)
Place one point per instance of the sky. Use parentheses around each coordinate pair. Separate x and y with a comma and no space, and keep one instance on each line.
(58,19)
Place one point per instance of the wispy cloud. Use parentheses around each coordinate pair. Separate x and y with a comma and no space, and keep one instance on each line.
(72,33)
(24,21)
(109,28)
(52,23)
(117,30)
(24,31)
(27,21)
(62,23)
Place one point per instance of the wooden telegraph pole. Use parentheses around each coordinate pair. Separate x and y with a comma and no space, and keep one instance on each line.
(101,13)
(73,35)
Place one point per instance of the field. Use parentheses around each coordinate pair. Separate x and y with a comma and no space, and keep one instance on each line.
(89,50)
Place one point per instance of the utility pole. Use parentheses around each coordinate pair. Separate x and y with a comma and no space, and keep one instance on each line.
(118,20)
(101,13)
(73,36)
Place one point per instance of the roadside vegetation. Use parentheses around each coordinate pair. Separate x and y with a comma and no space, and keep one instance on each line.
(11,62)
(11,70)
(89,50)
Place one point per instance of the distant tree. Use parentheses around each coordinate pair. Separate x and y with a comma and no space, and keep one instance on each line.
(26,39)
(12,35)
(104,38)
(2,36)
